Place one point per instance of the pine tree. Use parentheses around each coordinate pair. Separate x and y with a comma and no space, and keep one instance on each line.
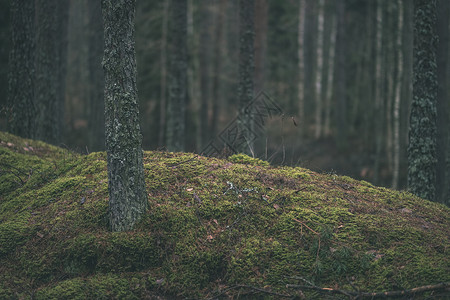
(175,115)
(51,61)
(96,78)
(127,194)
(21,69)
(246,69)
(422,132)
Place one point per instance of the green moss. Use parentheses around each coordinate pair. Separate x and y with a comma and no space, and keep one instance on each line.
(12,235)
(245,159)
(211,224)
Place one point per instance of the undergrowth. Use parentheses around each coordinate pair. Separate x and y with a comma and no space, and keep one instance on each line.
(212,224)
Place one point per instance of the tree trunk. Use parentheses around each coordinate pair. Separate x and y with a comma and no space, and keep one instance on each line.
(163,74)
(378,134)
(319,70)
(398,89)
(205,62)
(175,127)
(442,101)
(261,9)
(246,70)
(422,134)
(96,77)
(217,65)
(51,60)
(301,63)
(341,95)
(21,69)
(127,194)
(193,122)
(330,75)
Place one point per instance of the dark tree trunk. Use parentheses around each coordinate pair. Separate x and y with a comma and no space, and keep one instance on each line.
(96,78)
(442,101)
(341,94)
(205,62)
(175,126)
(261,11)
(127,195)
(51,61)
(422,133)
(217,66)
(246,69)
(21,69)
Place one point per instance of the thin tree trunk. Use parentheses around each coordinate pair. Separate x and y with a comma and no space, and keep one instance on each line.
(246,69)
(422,134)
(301,63)
(217,66)
(341,94)
(330,75)
(193,79)
(163,74)
(261,9)
(51,59)
(175,128)
(398,89)
(96,77)
(378,90)
(319,70)
(390,93)
(21,69)
(127,194)
(205,62)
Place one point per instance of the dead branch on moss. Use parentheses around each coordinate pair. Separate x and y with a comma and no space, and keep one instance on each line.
(361,295)
(250,288)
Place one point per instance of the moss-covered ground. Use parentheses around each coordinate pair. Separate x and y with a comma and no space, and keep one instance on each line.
(212,224)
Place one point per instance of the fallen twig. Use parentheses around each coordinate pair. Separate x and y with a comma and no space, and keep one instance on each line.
(252,288)
(360,295)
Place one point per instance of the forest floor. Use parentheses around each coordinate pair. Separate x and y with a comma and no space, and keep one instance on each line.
(216,229)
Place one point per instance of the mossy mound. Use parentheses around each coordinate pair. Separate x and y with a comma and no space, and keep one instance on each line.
(212,224)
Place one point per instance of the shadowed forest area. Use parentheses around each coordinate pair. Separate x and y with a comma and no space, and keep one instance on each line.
(340,73)
(182,149)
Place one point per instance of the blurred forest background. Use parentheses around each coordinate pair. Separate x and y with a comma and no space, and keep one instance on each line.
(340,70)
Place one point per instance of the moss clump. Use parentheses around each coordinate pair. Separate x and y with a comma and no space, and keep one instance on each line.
(245,159)
(212,224)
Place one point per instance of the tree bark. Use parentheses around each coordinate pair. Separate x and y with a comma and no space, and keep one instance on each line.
(319,69)
(341,94)
(442,101)
(330,75)
(397,100)
(163,74)
(51,61)
(21,69)
(175,116)
(246,69)
(96,78)
(379,121)
(218,49)
(301,63)
(127,194)
(261,9)
(422,133)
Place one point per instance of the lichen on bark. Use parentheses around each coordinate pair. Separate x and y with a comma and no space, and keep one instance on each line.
(422,134)
(127,195)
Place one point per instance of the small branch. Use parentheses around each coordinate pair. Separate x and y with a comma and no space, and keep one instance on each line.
(303,223)
(352,294)
(252,288)
(183,162)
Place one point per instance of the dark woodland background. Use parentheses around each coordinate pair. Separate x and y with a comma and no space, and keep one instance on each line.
(340,70)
